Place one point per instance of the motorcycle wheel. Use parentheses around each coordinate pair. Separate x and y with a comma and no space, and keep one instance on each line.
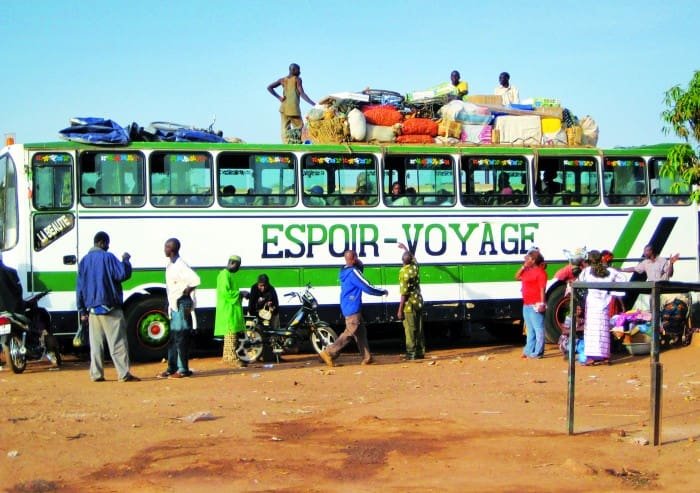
(322,336)
(18,360)
(250,348)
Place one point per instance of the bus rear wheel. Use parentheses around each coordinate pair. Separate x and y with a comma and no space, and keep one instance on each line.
(558,307)
(148,329)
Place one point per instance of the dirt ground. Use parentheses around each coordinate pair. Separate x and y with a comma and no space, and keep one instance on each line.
(464,419)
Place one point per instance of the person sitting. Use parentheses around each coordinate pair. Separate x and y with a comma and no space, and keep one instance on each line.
(460,87)
(228,196)
(549,184)
(508,92)
(263,302)
(396,192)
(314,196)
(504,187)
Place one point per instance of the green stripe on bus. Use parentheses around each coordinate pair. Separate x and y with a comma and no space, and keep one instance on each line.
(321,276)
(630,232)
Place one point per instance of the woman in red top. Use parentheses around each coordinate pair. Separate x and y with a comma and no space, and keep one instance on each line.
(534,281)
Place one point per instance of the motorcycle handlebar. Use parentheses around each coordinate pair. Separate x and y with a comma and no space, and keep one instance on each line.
(36,297)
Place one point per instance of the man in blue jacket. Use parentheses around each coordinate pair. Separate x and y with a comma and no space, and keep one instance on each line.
(100,299)
(352,285)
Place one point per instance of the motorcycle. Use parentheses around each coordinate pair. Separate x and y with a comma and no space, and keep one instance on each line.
(27,336)
(305,326)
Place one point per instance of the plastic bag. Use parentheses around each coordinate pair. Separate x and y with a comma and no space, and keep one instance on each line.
(589,130)
(81,337)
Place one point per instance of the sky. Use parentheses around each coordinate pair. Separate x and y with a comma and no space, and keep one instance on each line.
(188,62)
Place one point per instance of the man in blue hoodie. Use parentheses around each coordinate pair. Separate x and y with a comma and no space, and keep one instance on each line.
(99,300)
(352,285)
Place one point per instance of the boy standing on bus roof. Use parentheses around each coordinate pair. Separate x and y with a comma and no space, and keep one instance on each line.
(99,301)
(229,321)
(411,305)
(180,283)
(352,285)
(292,89)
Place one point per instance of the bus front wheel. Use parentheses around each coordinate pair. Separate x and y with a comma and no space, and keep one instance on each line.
(148,329)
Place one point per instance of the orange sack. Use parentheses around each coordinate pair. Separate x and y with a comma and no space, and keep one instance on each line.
(419,126)
(385,115)
(414,139)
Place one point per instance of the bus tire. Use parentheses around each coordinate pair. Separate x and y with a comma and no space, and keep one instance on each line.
(558,306)
(148,329)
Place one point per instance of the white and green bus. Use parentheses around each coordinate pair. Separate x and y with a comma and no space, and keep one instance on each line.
(290,211)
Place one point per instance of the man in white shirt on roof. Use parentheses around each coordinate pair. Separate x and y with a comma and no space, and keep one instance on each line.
(508,92)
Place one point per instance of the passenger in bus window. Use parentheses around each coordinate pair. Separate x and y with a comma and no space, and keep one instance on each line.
(396,192)
(551,185)
(229,197)
(504,187)
(314,197)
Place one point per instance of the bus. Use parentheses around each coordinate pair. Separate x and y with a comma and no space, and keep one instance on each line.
(468,213)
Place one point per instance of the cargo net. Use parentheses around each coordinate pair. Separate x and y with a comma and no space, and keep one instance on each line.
(428,108)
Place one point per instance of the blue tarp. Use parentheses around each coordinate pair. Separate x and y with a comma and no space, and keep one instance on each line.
(92,130)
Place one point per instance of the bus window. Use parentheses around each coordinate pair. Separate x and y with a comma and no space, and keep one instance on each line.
(339,180)
(9,215)
(624,181)
(112,179)
(566,181)
(493,181)
(662,190)
(425,180)
(256,180)
(52,181)
(180,179)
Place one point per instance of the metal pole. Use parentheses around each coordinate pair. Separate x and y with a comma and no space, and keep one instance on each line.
(572,363)
(656,368)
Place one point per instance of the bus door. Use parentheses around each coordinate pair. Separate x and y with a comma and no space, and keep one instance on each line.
(53,228)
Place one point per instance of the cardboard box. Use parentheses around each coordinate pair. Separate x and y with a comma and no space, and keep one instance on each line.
(550,111)
(484,99)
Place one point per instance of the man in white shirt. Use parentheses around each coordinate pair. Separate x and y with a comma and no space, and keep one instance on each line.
(508,92)
(180,282)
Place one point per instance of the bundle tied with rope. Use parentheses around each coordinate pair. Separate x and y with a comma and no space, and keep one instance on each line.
(329,130)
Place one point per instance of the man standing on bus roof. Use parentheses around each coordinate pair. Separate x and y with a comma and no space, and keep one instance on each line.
(411,305)
(99,301)
(180,283)
(352,285)
(229,321)
(508,92)
(292,90)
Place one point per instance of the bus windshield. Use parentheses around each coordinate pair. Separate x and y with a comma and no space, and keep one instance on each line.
(8,203)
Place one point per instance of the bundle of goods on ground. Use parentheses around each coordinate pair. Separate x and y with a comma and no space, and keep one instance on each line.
(377,116)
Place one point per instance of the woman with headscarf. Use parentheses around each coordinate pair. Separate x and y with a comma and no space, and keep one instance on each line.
(596,329)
